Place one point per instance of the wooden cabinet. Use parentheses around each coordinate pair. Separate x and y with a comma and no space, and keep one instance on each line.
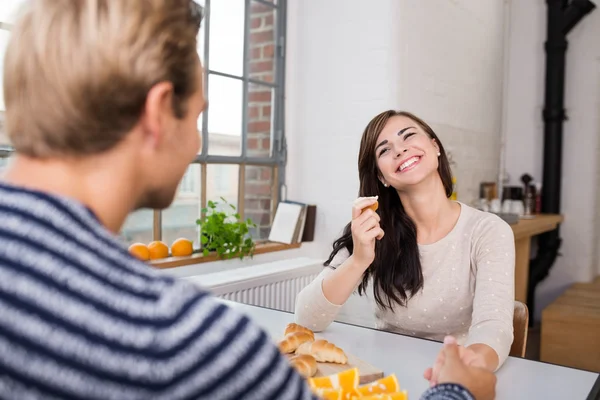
(571,328)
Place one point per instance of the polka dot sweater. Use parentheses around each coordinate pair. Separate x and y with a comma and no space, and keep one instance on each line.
(468,288)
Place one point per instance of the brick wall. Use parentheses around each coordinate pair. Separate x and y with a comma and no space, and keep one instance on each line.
(259,185)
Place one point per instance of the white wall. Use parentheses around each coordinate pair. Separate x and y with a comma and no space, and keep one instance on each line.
(581,151)
(451,74)
(342,58)
(348,61)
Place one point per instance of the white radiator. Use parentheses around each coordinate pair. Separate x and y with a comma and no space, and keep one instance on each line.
(273,285)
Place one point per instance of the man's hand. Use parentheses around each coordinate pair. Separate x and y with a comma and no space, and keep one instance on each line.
(452,368)
(468,357)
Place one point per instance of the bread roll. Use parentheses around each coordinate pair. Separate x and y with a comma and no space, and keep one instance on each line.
(291,328)
(373,207)
(305,364)
(323,351)
(291,342)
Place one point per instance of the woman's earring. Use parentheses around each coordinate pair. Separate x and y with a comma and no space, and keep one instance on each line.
(439,154)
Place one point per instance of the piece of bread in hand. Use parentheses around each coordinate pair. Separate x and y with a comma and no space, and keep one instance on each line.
(323,351)
(373,207)
(293,340)
(305,364)
(291,328)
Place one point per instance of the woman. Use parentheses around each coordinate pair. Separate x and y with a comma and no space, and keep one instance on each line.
(435,267)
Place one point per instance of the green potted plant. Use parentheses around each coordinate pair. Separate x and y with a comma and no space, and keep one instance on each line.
(225,233)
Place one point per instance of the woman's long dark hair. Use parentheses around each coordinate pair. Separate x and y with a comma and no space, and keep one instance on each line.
(396,270)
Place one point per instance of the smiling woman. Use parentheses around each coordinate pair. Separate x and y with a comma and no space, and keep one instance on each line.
(433,265)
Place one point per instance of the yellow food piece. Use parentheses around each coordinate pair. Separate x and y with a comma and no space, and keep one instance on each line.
(140,251)
(329,394)
(158,250)
(182,248)
(346,380)
(344,386)
(390,396)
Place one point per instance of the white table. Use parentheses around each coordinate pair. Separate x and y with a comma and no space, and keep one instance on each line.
(408,357)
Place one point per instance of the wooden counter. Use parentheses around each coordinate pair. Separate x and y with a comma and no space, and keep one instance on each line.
(524,230)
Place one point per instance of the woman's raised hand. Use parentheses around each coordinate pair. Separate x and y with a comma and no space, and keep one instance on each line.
(365,230)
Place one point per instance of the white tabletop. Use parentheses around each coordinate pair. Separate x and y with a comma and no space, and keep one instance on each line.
(408,357)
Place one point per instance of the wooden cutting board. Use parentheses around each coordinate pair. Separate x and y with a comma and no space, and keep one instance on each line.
(367,372)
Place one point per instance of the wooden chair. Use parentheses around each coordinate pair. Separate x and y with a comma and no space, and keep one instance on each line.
(520,328)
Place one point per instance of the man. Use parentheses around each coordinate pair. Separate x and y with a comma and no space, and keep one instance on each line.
(102,101)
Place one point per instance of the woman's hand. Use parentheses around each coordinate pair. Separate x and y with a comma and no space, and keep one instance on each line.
(365,230)
(468,356)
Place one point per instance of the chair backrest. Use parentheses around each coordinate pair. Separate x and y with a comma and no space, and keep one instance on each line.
(520,328)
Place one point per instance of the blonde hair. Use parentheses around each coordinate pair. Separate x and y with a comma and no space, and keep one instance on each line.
(77,72)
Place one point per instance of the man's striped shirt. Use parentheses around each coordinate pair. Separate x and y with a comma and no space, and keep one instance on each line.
(80,318)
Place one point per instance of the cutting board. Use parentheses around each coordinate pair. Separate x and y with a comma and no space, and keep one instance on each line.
(367,372)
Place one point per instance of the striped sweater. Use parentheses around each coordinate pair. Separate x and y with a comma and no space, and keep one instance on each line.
(80,318)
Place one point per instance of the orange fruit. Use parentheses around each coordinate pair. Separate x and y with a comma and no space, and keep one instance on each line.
(389,384)
(329,394)
(321,382)
(182,248)
(390,396)
(346,380)
(158,250)
(139,251)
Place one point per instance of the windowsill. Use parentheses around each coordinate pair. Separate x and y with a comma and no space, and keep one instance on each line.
(261,248)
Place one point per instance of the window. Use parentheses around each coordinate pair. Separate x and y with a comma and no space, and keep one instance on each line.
(243,148)
(8,11)
(243,156)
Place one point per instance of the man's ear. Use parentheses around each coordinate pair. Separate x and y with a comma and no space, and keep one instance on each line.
(158,116)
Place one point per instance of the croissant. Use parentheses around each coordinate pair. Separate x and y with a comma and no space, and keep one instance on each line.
(305,364)
(291,328)
(323,351)
(291,342)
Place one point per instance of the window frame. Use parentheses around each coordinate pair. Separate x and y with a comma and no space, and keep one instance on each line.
(5,150)
(278,154)
(278,158)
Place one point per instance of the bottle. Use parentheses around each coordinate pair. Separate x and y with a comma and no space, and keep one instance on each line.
(538,198)
(453,196)
(529,200)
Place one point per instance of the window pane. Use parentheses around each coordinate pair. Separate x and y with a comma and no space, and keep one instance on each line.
(227,36)
(138,227)
(4,36)
(224,116)
(222,181)
(179,220)
(260,120)
(200,44)
(258,199)
(201,37)
(262,42)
